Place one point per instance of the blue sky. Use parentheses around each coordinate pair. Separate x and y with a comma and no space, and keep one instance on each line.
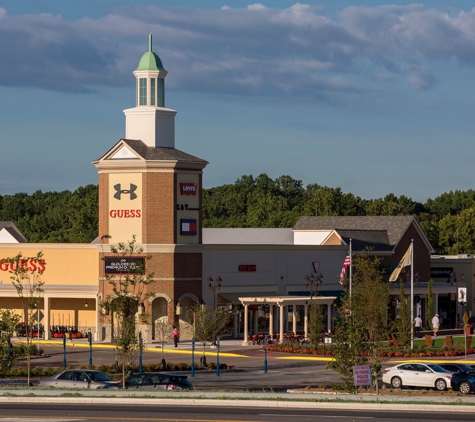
(368,96)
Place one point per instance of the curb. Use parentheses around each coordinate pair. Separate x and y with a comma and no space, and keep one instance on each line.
(416,407)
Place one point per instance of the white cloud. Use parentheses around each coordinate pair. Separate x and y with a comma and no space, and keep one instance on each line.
(276,50)
(256,6)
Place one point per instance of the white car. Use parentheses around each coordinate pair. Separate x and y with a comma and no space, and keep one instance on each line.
(417,375)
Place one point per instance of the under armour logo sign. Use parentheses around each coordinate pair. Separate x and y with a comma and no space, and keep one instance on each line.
(120,191)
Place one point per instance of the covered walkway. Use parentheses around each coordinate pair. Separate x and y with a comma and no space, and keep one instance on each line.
(282,302)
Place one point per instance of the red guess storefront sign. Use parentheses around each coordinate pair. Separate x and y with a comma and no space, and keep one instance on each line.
(247,268)
(29,265)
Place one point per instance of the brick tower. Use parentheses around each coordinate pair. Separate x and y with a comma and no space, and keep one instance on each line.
(151,191)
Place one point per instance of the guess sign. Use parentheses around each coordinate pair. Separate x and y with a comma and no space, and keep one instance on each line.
(31,265)
(188,188)
(247,268)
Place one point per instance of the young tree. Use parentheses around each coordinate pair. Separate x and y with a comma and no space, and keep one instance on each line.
(208,325)
(128,293)
(350,345)
(26,275)
(361,325)
(403,323)
(315,325)
(430,303)
(163,330)
(9,355)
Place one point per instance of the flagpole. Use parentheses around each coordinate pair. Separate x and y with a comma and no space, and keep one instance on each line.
(412,293)
(351,267)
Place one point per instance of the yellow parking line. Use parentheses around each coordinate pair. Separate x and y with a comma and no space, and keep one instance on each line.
(317,358)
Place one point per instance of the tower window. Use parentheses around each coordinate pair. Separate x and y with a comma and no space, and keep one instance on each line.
(161,92)
(152,91)
(143,91)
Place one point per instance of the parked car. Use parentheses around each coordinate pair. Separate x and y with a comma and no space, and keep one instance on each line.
(463,381)
(417,375)
(158,381)
(455,367)
(79,378)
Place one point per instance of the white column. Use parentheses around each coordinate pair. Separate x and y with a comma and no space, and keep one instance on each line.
(96,330)
(281,323)
(329,318)
(305,321)
(235,322)
(271,320)
(294,318)
(46,317)
(246,323)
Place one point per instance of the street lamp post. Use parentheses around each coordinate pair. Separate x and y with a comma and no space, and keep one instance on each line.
(89,339)
(312,282)
(214,287)
(453,279)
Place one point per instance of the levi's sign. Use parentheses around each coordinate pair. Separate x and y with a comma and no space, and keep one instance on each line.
(122,265)
(188,188)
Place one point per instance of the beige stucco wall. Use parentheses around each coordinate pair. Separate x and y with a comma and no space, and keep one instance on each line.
(66,264)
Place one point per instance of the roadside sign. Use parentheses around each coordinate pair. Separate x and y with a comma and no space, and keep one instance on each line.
(362,375)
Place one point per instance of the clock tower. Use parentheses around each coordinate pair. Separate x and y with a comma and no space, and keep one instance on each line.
(150,191)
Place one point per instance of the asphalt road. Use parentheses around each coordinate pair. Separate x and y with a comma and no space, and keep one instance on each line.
(92,412)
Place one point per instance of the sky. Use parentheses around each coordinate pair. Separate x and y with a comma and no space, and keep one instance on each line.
(373,97)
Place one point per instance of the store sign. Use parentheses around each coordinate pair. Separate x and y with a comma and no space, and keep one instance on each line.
(130,191)
(125,213)
(188,227)
(121,265)
(442,272)
(462,295)
(188,188)
(247,268)
(29,265)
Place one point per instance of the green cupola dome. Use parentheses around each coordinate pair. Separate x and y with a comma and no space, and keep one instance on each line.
(150,60)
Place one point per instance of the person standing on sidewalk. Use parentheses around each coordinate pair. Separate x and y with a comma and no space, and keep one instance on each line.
(435,324)
(175,336)
(417,325)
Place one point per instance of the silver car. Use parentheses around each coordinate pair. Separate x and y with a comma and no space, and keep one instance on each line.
(79,378)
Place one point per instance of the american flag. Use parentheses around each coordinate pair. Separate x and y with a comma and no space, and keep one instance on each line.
(346,264)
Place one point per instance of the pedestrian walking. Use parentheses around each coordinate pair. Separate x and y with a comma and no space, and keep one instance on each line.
(417,325)
(435,324)
(175,336)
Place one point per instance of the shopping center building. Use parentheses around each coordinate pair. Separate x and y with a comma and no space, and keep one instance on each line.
(151,191)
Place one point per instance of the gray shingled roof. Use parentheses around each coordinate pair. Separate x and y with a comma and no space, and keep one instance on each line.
(160,153)
(10,227)
(394,226)
(360,239)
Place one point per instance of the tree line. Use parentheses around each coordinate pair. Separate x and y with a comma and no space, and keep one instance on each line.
(72,217)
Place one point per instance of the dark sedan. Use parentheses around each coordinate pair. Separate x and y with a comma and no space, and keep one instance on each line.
(158,381)
(463,381)
(455,367)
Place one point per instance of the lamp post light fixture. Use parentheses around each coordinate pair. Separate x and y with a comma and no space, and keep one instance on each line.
(312,282)
(214,287)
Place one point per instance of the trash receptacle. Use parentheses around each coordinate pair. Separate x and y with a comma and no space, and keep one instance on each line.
(468,329)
